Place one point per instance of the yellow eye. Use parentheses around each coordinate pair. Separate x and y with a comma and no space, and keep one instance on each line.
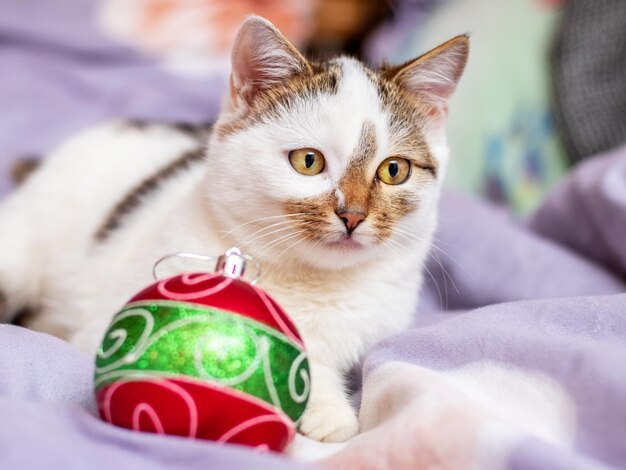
(307,161)
(394,170)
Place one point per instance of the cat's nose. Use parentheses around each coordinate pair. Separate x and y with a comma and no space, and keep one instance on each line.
(351,219)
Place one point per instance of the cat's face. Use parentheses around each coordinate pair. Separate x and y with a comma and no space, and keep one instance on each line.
(330,164)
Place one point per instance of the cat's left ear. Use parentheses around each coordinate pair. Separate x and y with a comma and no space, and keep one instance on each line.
(261,58)
(434,75)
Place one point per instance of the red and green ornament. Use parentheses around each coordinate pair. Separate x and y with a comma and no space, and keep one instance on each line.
(207,356)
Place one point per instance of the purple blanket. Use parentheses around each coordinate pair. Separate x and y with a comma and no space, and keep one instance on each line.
(524,370)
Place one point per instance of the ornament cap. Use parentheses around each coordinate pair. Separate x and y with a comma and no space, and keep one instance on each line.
(232,263)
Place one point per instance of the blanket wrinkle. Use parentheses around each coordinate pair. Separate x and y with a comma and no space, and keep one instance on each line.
(586,211)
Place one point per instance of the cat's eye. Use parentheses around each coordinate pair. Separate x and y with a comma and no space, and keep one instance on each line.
(307,161)
(394,170)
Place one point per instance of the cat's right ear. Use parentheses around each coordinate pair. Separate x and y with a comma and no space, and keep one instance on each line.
(261,58)
(434,76)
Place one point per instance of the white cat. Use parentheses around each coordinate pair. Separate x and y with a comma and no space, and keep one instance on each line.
(329,174)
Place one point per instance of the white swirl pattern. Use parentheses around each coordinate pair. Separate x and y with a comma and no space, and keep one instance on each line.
(120,336)
(304,376)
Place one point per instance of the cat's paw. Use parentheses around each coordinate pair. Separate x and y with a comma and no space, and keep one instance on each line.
(329,422)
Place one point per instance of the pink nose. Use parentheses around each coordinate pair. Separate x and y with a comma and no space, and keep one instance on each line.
(351,219)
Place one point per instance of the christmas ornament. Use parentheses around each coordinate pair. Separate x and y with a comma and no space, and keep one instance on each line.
(205,355)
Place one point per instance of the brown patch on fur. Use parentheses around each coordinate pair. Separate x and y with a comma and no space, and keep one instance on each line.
(408,121)
(199,131)
(355,184)
(23,168)
(319,79)
(149,186)
(388,209)
(315,211)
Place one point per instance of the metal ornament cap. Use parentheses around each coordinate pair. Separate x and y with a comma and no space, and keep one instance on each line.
(231,264)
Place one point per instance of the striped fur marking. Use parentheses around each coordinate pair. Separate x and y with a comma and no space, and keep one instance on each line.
(3,304)
(149,186)
(200,131)
(23,168)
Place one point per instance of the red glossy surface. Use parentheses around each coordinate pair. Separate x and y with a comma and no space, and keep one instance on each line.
(215,290)
(194,409)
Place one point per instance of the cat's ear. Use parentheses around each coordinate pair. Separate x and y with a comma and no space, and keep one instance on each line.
(261,58)
(434,75)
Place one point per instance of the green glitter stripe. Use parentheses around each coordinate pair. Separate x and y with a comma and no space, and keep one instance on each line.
(205,343)
(204,308)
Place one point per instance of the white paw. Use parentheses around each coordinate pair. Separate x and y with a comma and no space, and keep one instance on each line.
(329,422)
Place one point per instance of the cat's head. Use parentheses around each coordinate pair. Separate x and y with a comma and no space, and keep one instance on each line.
(330,164)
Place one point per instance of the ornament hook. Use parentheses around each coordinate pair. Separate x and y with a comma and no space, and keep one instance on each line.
(179,255)
(231,264)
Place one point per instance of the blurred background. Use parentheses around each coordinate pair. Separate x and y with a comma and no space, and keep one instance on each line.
(544,89)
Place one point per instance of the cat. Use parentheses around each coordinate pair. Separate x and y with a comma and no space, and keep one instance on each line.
(328,174)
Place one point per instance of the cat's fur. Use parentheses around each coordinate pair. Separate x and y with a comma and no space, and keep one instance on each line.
(81,235)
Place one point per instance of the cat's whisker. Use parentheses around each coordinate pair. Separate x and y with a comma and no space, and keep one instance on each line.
(248,241)
(451,258)
(445,273)
(297,214)
(291,246)
(438,261)
(441,302)
(445,285)
(312,247)
(277,224)
(268,246)
(431,244)
(395,244)
(277,242)
(436,285)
